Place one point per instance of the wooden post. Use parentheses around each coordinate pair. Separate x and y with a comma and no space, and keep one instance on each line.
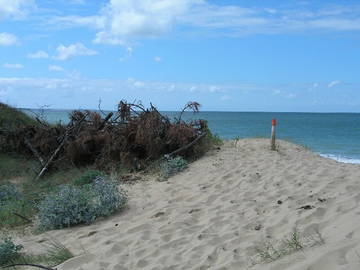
(273,136)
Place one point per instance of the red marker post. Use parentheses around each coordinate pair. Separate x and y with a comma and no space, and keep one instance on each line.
(273,133)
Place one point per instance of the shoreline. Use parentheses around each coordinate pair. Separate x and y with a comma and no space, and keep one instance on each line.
(340,159)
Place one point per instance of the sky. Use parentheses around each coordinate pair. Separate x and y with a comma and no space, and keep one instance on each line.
(228,55)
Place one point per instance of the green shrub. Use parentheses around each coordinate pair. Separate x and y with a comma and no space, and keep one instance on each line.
(9,251)
(77,205)
(88,177)
(173,165)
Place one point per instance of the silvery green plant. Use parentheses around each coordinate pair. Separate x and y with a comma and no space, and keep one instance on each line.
(77,205)
(9,251)
(173,165)
(9,192)
(107,196)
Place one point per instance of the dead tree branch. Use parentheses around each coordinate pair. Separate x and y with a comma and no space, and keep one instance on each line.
(28,264)
(22,217)
(186,146)
(62,143)
(192,105)
(34,151)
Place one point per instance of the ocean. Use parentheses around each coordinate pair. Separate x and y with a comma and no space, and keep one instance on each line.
(332,135)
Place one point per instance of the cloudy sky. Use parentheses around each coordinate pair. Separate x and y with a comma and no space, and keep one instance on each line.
(229,55)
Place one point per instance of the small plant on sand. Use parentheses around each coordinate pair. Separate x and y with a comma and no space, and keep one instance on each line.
(9,252)
(294,242)
(55,253)
(76,205)
(236,140)
(268,252)
(172,166)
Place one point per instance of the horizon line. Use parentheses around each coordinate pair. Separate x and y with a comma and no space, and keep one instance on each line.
(325,112)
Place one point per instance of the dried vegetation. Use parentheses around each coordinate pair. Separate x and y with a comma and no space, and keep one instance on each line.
(133,136)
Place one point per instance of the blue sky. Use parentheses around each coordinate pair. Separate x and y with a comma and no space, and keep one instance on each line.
(228,55)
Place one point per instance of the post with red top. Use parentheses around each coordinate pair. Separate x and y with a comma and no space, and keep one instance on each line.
(273,137)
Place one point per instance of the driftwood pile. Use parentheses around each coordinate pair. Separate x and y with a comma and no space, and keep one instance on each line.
(133,136)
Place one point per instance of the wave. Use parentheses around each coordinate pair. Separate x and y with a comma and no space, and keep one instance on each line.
(341,159)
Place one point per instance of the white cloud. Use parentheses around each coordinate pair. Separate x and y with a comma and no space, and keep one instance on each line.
(290,95)
(96,21)
(38,55)
(56,68)
(7,39)
(139,84)
(15,8)
(157,59)
(13,66)
(193,88)
(121,22)
(225,98)
(124,20)
(213,89)
(333,83)
(75,92)
(283,94)
(77,49)
(128,54)
(276,92)
(78,2)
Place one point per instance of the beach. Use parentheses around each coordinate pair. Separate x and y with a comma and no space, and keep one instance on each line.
(222,212)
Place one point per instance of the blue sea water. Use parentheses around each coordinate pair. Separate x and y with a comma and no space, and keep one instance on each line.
(333,135)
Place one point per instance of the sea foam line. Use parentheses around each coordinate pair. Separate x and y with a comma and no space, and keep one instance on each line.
(341,159)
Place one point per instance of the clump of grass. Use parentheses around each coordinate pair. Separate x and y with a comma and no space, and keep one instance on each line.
(210,140)
(214,139)
(9,252)
(269,252)
(55,254)
(15,208)
(172,166)
(36,191)
(11,118)
(236,140)
(88,177)
(12,167)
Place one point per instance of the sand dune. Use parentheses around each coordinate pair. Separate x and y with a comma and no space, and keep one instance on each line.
(216,213)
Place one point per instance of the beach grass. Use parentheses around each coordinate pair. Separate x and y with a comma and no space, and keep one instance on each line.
(11,118)
(271,251)
(55,253)
(12,167)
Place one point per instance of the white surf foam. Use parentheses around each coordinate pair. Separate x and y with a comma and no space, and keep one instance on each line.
(341,159)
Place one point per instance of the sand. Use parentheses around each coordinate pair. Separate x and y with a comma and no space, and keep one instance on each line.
(215,214)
